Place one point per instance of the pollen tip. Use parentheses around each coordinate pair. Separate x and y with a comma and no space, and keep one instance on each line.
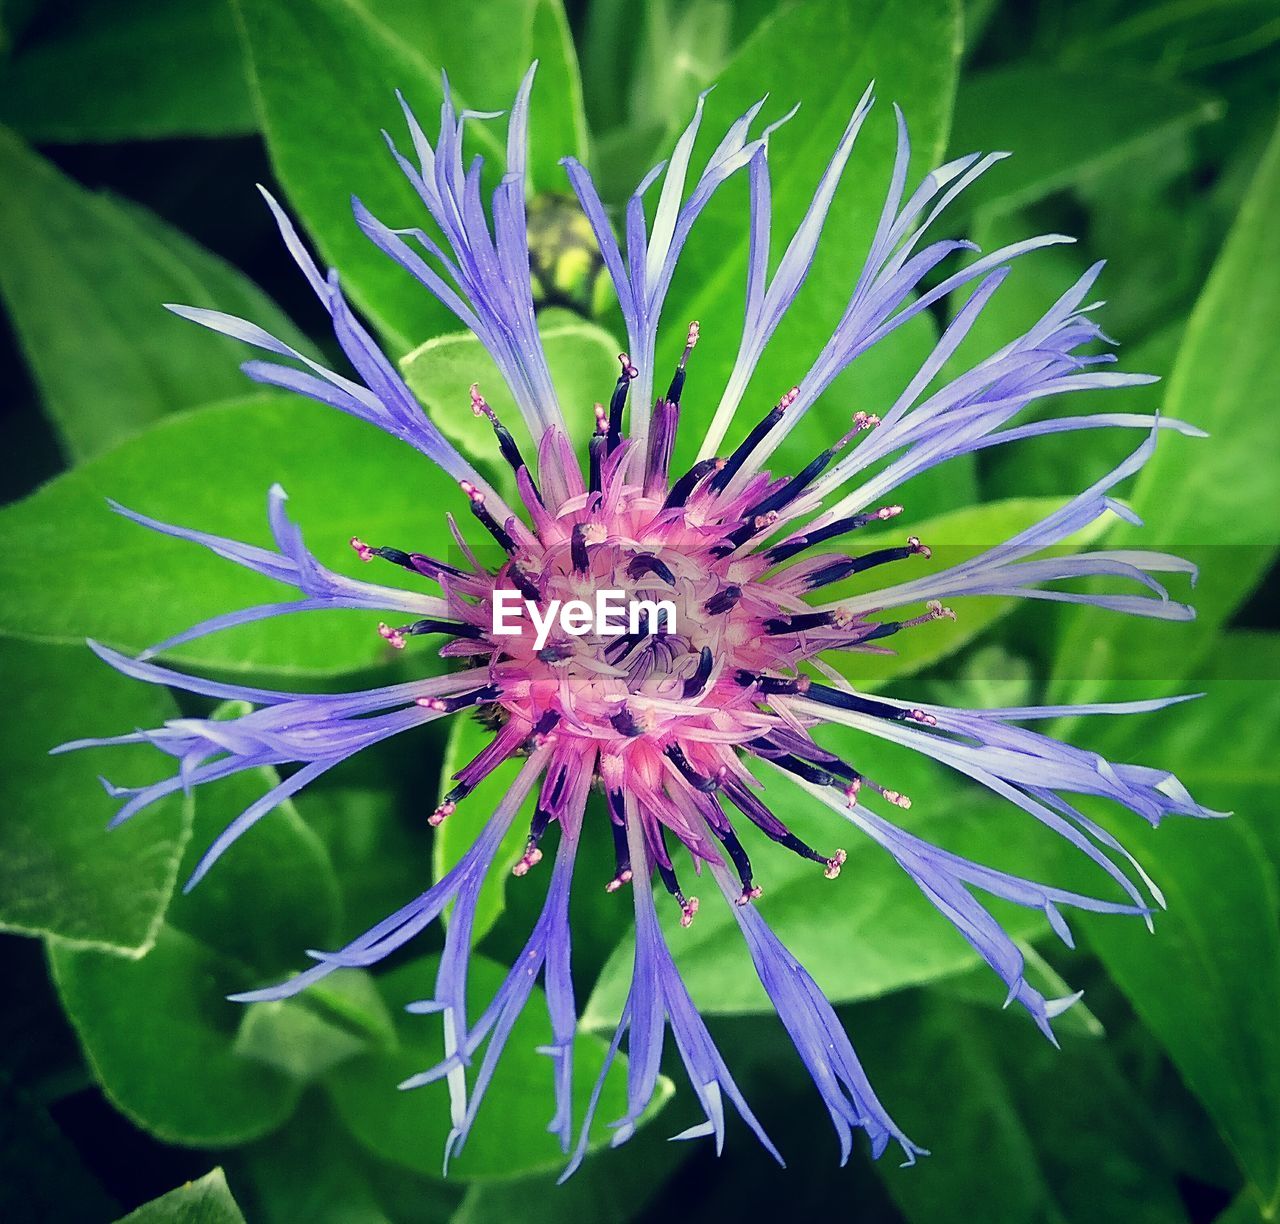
(920,550)
(920,716)
(395,638)
(888,512)
(531,858)
(628,370)
(441,813)
(363,551)
(748,895)
(788,399)
(851,791)
(478,403)
(430,703)
(695,330)
(834,863)
(897,798)
(687,912)
(623,877)
(865,420)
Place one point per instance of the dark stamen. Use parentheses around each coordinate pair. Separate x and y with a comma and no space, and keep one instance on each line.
(618,401)
(799,623)
(845,566)
(578,549)
(428,567)
(647,563)
(685,485)
(675,754)
(524,584)
(789,548)
(689,906)
(722,601)
(762,514)
(597,449)
(859,705)
(490,524)
(677,381)
(451,705)
(698,681)
(741,863)
(753,439)
(624,723)
(759,815)
(621,850)
(773,686)
(506,443)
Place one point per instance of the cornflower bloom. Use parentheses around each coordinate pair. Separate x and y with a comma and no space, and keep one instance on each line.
(733,667)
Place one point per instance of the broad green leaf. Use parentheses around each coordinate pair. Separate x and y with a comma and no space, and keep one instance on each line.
(326,72)
(375,826)
(72,569)
(583,360)
(1222,744)
(1062,126)
(1018,1130)
(513,34)
(459,832)
(1207,986)
(1219,879)
(84,278)
(130,70)
(871,931)
(1170,38)
(610,1187)
(159,1032)
(313,1170)
(510,1138)
(61,872)
(821,54)
(1210,499)
(207,1201)
(304,1038)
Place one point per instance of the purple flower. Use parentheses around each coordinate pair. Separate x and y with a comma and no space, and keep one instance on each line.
(728,657)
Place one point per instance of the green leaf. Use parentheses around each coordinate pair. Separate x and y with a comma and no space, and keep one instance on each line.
(61,872)
(1205,499)
(510,1138)
(1207,986)
(1220,931)
(582,358)
(513,34)
(871,931)
(72,569)
(130,70)
(313,1170)
(820,54)
(307,1036)
(159,1032)
(1018,1130)
(207,1201)
(84,278)
(326,72)
(459,832)
(1063,126)
(609,1188)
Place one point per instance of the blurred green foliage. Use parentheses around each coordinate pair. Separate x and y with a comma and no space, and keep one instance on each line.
(133,131)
